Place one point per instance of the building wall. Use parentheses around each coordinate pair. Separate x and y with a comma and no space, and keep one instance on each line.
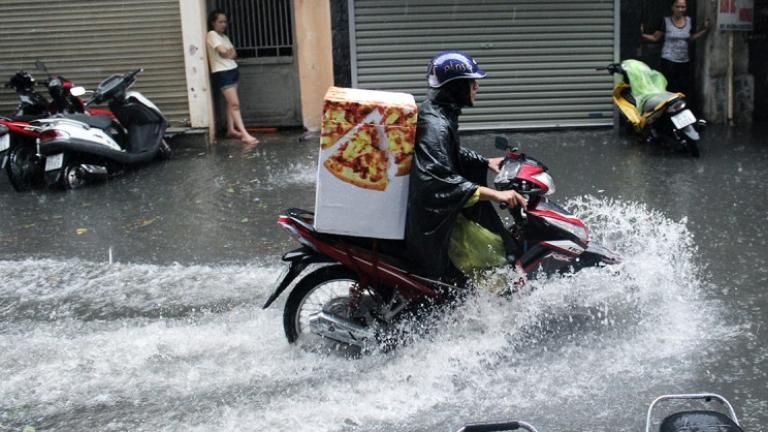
(315,57)
(193,26)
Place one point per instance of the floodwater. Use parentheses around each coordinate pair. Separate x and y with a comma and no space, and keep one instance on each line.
(136,304)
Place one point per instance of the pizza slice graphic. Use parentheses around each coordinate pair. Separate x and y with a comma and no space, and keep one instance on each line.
(360,161)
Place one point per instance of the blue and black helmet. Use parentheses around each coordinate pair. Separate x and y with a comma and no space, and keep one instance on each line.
(450,65)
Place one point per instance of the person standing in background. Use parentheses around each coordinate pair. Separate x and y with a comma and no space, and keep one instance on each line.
(225,75)
(677,32)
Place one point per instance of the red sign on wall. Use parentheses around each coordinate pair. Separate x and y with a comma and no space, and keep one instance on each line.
(736,15)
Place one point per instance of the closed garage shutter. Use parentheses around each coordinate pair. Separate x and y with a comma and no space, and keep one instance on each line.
(540,56)
(87,40)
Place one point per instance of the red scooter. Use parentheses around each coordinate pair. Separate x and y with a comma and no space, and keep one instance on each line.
(363,286)
(22,130)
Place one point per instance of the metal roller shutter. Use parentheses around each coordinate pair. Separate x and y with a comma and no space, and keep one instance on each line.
(87,40)
(540,56)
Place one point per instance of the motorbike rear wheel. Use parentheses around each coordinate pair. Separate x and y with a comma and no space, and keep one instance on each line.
(311,295)
(23,168)
(71,177)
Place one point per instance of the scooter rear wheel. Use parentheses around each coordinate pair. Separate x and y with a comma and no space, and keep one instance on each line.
(71,178)
(310,295)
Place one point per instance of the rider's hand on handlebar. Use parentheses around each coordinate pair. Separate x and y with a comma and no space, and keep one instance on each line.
(511,199)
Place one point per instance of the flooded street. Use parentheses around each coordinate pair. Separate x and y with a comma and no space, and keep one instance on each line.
(136,304)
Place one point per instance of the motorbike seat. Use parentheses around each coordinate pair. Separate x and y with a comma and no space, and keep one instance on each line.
(390,251)
(699,420)
(658,98)
(627,94)
(26,117)
(103,122)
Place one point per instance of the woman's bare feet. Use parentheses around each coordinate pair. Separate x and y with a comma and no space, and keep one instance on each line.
(234,134)
(249,140)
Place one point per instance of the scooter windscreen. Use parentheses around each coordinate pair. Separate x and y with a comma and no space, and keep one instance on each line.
(504,180)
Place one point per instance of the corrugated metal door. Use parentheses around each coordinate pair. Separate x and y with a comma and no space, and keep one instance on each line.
(540,56)
(87,40)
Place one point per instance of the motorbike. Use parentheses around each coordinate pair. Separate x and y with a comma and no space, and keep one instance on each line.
(361,287)
(18,150)
(77,153)
(654,113)
(681,421)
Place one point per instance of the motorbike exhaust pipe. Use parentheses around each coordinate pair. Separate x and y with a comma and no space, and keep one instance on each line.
(341,330)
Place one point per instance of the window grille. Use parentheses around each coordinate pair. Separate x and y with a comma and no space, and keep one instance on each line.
(259,28)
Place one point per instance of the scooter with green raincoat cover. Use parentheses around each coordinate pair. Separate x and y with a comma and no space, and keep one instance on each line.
(655,114)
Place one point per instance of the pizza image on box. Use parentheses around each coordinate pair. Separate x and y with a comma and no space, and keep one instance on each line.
(400,142)
(332,132)
(346,111)
(360,161)
(367,137)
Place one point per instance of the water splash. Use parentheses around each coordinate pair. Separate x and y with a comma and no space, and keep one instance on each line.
(188,348)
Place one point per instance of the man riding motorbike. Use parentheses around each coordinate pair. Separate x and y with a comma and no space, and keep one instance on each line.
(449,209)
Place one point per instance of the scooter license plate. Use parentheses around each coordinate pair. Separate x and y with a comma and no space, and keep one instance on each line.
(683,119)
(54,162)
(5,142)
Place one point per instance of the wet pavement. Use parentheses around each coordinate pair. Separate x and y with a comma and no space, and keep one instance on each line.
(171,335)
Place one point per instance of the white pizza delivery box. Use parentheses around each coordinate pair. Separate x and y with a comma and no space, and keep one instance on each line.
(366,148)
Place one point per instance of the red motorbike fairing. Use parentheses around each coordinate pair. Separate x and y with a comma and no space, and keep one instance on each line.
(364,261)
(20,127)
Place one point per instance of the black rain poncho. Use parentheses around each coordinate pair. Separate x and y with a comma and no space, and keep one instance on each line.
(444,176)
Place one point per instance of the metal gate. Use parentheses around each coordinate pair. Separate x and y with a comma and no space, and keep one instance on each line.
(262,33)
(87,40)
(540,56)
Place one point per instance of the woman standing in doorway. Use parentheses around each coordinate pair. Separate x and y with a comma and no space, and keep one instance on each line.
(677,31)
(224,74)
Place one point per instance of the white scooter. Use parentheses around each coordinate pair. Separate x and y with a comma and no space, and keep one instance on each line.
(77,152)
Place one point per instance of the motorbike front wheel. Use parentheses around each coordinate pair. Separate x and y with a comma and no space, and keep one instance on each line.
(326,289)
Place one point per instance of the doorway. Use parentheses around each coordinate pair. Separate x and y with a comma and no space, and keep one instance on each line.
(262,33)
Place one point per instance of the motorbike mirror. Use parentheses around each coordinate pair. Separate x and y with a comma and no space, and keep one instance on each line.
(501,143)
(77,91)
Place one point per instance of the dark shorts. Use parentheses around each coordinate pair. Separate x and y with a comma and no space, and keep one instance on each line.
(225,79)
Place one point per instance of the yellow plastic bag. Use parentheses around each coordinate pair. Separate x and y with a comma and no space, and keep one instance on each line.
(472,247)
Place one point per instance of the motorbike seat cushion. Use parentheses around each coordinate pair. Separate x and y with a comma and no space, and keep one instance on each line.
(698,421)
(98,121)
(656,99)
(27,117)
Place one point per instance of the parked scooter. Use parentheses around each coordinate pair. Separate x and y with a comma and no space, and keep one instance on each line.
(681,421)
(18,152)
(76,153)
(654,113)
(367,286)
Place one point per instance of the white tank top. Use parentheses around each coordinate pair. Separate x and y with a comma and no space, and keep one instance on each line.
(675,47)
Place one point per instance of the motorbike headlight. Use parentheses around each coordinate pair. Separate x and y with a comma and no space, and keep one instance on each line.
(545,178)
